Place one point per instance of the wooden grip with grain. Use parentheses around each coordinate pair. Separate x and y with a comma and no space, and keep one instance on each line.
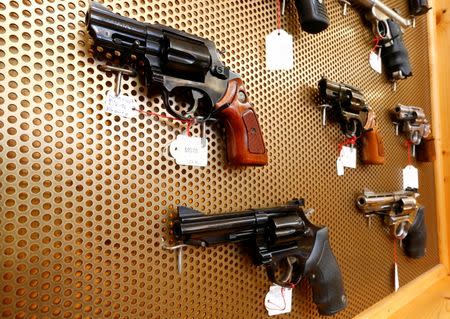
(425,151)
(372,148)
(245,144)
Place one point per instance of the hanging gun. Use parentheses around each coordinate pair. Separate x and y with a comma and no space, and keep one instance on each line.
(283,240)
(355,117)
(411,121)
(396,209)
(387,27)
(173,60)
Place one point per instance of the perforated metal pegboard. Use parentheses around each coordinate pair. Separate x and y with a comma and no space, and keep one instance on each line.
(86,196)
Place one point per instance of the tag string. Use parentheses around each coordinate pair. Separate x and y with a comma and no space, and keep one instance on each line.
(347,141)
(188,122)
(278,307)
(408,145)
(278,16)
(376,40)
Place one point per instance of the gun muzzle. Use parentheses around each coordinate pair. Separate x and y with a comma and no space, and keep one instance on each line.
(384,9)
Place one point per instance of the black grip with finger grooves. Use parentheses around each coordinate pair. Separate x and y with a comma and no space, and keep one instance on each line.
(415,242)
(325,277)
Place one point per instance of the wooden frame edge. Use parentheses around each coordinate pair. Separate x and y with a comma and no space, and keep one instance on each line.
(388,306)
(436,119)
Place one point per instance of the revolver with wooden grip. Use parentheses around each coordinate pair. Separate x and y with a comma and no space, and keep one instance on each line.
(411,121)
(355,117)
(174,60)
(281,238)
(396,209)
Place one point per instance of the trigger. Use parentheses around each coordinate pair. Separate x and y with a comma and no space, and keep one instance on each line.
(286,277)
(196,95)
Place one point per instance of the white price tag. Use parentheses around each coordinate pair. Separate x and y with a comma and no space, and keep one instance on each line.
(348,156)
(120,104)
(375,61)
(279,50)
(340,167)
(190,150)
(278,300)
(410,177)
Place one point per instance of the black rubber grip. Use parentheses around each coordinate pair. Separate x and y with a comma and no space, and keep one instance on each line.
(313,15)
(325,277)
(415,242)
(418,7)
(394,54)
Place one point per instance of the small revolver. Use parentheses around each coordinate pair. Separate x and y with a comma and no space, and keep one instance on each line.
(355,117)
(396,209)
(411,121)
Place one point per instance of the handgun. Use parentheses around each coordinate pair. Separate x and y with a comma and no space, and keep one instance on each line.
(281,238)
(313,15)
(174,60)
(418,7)
(355,117)
(412,122)
(397,209)
(387,27)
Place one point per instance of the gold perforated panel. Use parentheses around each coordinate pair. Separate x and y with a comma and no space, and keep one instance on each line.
(86,196)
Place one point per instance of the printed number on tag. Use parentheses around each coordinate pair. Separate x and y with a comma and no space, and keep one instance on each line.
(410,177)
(278,300)
(279,50)
(120,104)
(190,150)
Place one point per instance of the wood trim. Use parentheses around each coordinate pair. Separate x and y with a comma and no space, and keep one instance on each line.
(439,51)
(388,306)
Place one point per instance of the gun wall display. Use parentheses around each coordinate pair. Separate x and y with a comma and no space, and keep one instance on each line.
(139,141)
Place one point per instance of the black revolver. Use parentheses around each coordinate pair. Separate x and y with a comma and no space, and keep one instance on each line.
(174,60)
(283,240)
(355,116)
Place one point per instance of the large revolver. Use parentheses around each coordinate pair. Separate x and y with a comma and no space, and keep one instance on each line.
(412,122)
(283,240)
(396,209)
(173,60)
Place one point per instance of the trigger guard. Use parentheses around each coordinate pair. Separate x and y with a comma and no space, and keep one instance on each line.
(287,282)
(191,109)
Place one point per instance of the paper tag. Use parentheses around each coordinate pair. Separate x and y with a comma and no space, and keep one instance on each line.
(120,105)
(339,167)
(278,300)
(279,50)
(348,156)
(190,150)
(375,61)
(410,177)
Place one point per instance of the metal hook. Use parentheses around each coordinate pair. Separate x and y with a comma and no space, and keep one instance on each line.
(324,112)
(179,249)
(346,4)
(119,73)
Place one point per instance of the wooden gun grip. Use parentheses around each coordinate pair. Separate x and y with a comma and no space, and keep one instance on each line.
(425,151)
(245,144)
(372,149)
